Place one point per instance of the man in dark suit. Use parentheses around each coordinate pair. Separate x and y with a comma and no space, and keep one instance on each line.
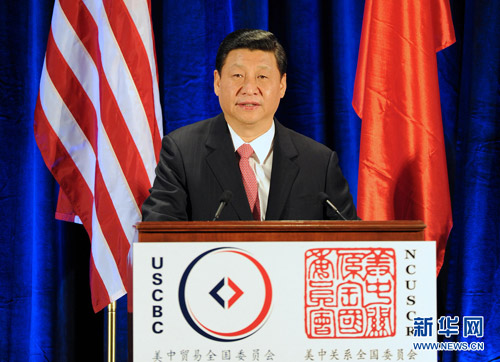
(272,172)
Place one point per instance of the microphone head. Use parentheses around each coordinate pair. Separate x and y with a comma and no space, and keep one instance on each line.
(226,196)
(323,196)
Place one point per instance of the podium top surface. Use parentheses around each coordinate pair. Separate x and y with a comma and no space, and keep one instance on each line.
(153,231)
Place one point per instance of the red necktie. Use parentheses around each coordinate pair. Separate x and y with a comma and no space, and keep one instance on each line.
(249,179)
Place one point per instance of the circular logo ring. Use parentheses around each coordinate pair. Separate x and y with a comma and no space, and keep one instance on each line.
(236,335)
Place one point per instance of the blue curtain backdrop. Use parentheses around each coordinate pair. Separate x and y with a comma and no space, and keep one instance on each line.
(45,310)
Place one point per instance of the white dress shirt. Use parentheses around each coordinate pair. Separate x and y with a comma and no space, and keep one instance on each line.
(261,163)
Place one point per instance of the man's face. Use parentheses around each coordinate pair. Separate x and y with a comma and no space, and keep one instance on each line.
(249,88)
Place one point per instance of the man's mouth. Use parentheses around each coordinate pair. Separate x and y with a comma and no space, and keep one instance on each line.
(248,105)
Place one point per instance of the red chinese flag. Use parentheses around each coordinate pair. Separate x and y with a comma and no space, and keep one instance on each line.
(98,125)
(402,162)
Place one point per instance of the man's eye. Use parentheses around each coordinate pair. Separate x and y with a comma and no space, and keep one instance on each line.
(237,75)
(262,77)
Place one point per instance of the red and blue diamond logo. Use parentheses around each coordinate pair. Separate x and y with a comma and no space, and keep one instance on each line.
(225,294)
(227,302)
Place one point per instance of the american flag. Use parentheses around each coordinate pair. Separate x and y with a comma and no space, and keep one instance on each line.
(98,125)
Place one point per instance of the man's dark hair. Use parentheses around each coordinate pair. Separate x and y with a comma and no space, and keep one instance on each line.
(253,39)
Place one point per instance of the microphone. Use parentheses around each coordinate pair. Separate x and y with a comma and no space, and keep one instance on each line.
(224,199)
(324,198)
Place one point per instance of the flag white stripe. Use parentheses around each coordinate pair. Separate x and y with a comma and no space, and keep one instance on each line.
(124,89)
(123,201)
(104,260)
(138,11)
(70,133)
(76,56)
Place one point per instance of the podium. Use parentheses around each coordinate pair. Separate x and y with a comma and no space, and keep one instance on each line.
(202,231)
(281,290)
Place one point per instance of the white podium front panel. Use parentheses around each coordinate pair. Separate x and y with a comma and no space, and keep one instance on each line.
(282,301)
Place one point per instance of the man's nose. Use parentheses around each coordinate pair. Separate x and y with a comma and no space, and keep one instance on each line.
(250,86)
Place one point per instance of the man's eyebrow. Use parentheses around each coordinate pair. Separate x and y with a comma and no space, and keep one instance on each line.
(237,65)
(241,66)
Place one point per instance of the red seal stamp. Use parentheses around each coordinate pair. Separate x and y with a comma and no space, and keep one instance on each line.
(350,292)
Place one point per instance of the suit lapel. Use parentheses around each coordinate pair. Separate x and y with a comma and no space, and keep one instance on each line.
(222,161)
(284,172)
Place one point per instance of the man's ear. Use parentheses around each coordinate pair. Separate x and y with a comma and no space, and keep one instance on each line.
(283,85)
(216,82)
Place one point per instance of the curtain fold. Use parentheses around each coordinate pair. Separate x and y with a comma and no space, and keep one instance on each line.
(45,302)
(470,86)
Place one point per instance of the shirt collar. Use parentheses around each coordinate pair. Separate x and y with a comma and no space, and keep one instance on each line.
(261,145)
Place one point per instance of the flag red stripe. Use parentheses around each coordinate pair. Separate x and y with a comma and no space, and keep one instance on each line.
(123,145)
(156,68)
(72,93)
(64,211)
(127,37)
(157,148)
(99,293)
(84,25)
(110,225)
(60,163)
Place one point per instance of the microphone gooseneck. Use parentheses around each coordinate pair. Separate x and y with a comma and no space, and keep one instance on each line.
(224,199)
(324,198)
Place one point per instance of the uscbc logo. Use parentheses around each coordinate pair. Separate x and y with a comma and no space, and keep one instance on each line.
(225,294)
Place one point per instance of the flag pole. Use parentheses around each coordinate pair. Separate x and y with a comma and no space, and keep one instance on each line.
(111,331)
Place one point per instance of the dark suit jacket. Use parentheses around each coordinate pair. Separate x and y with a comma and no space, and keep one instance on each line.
(198,162)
